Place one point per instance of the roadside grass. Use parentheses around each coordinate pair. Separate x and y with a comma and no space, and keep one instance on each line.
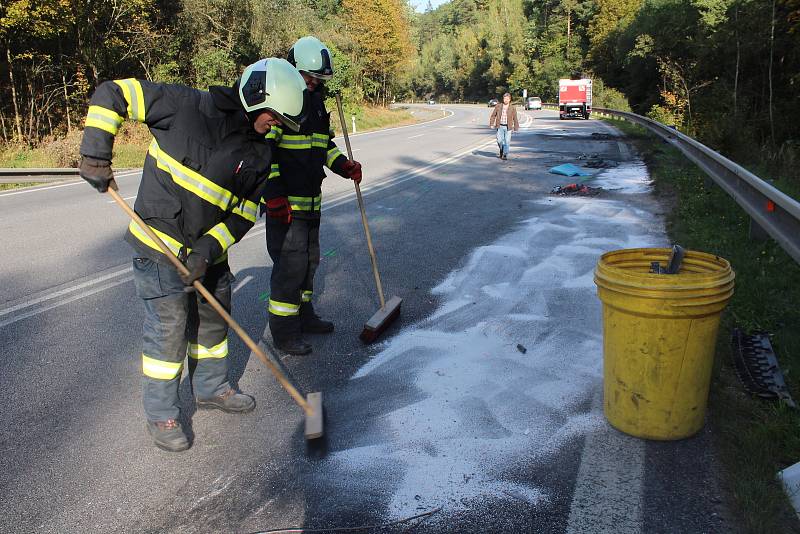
(133,139)
(5,187)
(130,147)
(370,118)
(754,438)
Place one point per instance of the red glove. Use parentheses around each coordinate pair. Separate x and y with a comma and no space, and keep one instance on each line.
(352,169)
(278,208)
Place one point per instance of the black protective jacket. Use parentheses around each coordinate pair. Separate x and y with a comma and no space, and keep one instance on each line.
(301,158)
(205,169)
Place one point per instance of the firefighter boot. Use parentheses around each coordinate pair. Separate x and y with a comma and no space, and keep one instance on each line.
(294,344)
(228,402)
(311,322)
(168,435)
(287,335)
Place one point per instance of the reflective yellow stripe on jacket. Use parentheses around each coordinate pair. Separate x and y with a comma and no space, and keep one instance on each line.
(104,119)
(274,133)
(201,186)
(247,210)
(223,235)
(134,96)
(332,155)
(303,142)
(305,203)
(172,244)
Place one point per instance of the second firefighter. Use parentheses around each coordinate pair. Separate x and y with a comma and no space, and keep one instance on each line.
(293,200)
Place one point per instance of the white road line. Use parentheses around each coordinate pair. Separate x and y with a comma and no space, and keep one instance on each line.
(57,294)
(34,189)
(385,183)
(415,136)
(241,284)
(420,124)
(73,298)
(123,198)
(612,466)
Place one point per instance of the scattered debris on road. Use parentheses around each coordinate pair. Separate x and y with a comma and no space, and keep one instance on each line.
(568,169)
(602,136)
(600,163)
(757,367)
(575,189)
(521,348)
(594,161)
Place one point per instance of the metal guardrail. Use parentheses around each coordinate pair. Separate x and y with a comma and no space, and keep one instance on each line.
(20,175)
(772,212)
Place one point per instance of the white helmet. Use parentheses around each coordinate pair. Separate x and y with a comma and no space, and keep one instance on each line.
(309,55)
(274,85)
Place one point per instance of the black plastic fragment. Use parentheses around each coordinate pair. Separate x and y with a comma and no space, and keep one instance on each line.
(757,367)
(673,264)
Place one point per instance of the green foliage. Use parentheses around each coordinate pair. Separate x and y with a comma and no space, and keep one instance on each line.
(54,52)
(470,50)
(665,115)
(213,66)
(608,97)
(167,72)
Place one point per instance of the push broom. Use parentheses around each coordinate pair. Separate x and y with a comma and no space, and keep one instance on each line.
(312,406)
(389,311)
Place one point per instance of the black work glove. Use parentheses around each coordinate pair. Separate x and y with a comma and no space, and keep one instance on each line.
(98,173)
(197,266)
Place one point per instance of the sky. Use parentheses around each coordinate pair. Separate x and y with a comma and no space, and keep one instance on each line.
(419,5)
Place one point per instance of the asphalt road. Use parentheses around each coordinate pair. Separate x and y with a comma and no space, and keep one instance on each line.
(445,415)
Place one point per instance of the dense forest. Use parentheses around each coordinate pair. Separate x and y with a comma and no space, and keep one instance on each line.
(715,68)
(726,70)
(54,52)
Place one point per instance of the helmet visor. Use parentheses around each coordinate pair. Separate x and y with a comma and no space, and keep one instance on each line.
(293,122)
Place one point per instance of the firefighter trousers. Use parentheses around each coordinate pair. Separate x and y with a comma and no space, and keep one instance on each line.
(178,324)
(294,250)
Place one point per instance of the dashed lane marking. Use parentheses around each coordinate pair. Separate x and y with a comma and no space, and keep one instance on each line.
(243,283)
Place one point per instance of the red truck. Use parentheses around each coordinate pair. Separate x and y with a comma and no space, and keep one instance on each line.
(574,98)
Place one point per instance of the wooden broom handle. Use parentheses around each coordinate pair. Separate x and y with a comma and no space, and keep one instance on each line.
(372,256)
(214,304)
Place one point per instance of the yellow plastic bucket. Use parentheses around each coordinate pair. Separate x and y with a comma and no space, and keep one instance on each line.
(659,336)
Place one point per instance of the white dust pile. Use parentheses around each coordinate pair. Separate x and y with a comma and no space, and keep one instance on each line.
(510,359)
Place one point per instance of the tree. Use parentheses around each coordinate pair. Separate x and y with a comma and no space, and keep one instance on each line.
(24,22)
(380,32)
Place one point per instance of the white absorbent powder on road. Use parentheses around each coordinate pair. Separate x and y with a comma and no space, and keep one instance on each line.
(629,177)
(505,369)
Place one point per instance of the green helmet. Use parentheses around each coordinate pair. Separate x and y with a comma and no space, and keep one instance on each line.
(274,85)
(309,55)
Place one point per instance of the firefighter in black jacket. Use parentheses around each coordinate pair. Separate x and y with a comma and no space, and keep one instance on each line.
(203,177)
(293,197)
